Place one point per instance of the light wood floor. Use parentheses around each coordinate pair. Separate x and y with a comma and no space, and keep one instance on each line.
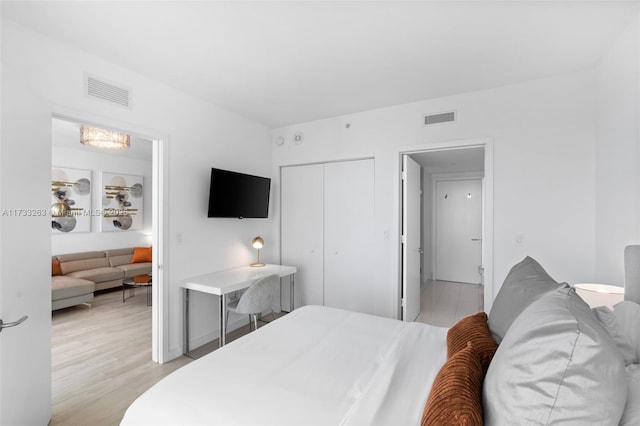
(101,359)
(443,303)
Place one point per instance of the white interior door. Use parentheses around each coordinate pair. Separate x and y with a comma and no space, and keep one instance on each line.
(411,231)
(349,222)
(25,255)
(302,238)
(458,251)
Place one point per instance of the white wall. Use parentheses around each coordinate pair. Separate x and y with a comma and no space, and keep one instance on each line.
(95,240)
(617,155)
(199,135)
(544,137)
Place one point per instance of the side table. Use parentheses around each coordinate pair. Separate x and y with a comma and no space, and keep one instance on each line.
(137,281)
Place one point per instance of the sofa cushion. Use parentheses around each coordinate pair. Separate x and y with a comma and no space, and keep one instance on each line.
(98,275)
(526,282)
(556,365)
(135,269)
(83,264)
(123,259)
(119,252)
(80,256)
(66,287)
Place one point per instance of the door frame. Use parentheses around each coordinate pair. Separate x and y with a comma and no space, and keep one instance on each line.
(443,177)
(487,204)
(160,219)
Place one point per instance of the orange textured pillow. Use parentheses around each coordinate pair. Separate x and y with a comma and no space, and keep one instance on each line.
(141,254)
(474,329)
(56,269)
(456,393)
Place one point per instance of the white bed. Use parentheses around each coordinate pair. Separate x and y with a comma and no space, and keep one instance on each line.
(316,365)
(558,362)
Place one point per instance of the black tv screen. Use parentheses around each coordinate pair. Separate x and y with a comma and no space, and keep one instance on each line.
(234,194)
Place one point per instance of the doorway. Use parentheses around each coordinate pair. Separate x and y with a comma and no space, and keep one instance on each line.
(150,149)
(456,192)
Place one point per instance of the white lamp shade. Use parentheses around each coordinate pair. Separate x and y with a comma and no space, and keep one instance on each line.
(600,294)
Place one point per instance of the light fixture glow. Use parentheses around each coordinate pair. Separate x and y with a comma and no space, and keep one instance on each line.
(257,243)
(106,139)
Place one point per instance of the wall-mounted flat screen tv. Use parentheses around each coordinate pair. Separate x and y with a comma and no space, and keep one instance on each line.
(238,195)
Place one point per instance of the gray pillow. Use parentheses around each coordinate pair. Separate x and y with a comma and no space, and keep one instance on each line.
(556,365)
(526,282)
(631,414)
(628,318)
(608,320)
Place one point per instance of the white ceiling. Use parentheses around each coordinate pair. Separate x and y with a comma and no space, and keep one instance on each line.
(452,160)
(288,62)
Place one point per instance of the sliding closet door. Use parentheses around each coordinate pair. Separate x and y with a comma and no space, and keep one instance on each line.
(348,231)
(302,230)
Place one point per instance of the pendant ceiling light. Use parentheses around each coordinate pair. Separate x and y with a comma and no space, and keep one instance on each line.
(100,138)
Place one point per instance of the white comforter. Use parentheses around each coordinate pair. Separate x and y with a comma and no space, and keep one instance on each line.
(314,366)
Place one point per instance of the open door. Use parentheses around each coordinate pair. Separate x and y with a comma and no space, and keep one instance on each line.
(25,255)
(411,237)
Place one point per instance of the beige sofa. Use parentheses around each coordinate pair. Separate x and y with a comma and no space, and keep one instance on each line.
(86,272)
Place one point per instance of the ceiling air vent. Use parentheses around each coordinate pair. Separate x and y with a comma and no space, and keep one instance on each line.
(444,117)
(100,89)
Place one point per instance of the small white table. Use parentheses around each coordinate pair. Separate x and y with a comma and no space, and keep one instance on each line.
(222,283)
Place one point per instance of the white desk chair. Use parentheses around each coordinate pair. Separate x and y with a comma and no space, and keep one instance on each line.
(259,297)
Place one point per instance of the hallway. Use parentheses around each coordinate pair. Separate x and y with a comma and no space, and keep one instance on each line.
(443,303)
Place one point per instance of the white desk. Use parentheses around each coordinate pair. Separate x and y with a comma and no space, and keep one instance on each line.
(224,282)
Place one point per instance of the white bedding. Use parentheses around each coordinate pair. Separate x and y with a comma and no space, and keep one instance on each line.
(314,366)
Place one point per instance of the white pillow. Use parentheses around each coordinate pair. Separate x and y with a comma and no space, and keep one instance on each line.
(608,319)
(628,318)
(631,414)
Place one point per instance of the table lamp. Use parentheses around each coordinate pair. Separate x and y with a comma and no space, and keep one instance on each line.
(257,243)
(600,294)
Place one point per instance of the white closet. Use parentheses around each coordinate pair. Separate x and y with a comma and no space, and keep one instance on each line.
(327,232)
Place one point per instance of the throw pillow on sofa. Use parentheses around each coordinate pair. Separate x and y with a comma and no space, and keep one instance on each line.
(141,255)
(56,269)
